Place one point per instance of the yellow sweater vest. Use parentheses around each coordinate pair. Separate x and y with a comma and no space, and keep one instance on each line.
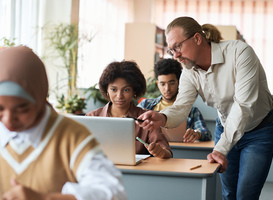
(56,160)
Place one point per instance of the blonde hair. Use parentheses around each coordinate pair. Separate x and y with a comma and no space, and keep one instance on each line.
(191,26)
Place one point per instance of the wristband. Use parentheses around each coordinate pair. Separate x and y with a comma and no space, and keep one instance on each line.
(199,133)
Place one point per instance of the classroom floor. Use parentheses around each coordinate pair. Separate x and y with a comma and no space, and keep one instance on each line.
(267,192)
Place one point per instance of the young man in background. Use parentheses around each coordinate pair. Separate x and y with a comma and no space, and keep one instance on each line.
(167,73)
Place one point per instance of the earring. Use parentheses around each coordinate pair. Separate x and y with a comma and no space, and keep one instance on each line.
(135,95)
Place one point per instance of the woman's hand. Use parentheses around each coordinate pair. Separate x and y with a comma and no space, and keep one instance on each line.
(191,135)
(152,120)
(158,151)
(21,192)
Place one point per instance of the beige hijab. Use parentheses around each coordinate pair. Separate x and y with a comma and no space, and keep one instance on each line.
(22,66)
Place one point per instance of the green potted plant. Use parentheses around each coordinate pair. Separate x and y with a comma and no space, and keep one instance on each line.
(72,104)
(95,94)
(64,41)
(152,90)
(6,42)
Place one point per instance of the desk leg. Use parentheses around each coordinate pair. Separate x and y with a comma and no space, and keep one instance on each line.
(218,188)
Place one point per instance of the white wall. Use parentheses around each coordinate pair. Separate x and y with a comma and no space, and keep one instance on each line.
(142,11)
(52,11)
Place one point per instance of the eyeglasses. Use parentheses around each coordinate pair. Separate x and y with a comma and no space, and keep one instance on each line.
(177,48)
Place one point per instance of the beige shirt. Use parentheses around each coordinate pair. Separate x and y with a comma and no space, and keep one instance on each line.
(235,84)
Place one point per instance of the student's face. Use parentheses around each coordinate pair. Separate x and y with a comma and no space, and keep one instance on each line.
(17,114)
(168,86)
(187,53)
(120,93)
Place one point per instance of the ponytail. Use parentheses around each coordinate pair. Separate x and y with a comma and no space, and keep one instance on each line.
(212,33)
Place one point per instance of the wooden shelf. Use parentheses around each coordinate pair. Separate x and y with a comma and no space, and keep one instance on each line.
(230,33)
(146,44)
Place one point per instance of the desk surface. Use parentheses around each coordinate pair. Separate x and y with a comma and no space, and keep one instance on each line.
(209,145)
(156,178)
(196,150)
(172,166)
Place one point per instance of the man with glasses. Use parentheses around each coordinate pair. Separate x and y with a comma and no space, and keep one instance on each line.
(229,77)
(167,73)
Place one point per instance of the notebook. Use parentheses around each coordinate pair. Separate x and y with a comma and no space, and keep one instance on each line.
(116,137)
(175,134)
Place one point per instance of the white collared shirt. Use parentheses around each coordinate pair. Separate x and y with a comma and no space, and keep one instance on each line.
(235,84)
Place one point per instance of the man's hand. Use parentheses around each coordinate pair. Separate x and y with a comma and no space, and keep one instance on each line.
(218,157)
(152,120)
(190,136)
(20,192)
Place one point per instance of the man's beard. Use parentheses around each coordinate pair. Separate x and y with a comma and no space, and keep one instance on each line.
(172,98)
(190,63)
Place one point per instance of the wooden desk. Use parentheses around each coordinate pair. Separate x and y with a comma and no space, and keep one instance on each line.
(156,178)
(196,150)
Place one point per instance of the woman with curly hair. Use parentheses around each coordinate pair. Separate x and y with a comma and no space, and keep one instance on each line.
(119,83)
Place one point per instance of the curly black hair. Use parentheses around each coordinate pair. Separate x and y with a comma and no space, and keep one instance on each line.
(167,66)
(127,70)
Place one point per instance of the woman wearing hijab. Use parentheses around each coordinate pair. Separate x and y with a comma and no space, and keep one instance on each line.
(44,155)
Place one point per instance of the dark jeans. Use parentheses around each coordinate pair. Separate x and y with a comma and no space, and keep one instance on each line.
(249,164)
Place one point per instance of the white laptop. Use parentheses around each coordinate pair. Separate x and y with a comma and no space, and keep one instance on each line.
(175,134)
(116,137)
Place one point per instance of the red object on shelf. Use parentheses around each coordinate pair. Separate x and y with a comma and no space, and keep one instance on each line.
(141,99)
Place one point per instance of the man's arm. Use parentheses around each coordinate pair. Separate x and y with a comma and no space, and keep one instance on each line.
(198,124)
(152,120)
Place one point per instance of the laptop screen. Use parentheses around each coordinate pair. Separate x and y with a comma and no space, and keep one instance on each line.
(115,135)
